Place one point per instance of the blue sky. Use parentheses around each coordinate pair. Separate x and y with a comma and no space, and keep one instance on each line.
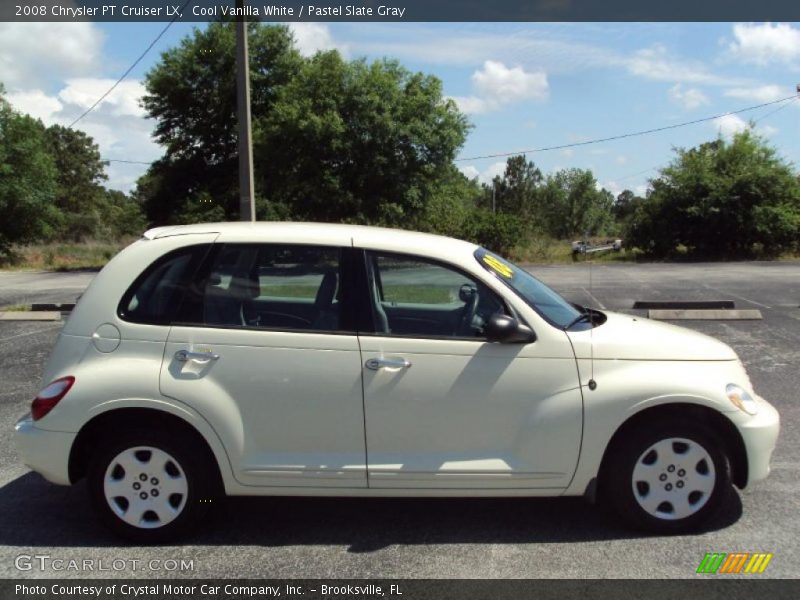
(524,85)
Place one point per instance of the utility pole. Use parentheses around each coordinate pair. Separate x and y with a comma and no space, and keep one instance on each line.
(247,204)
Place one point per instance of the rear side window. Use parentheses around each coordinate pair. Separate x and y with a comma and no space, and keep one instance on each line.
(155,295)
(283,287)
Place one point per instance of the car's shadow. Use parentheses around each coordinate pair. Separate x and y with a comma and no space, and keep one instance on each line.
(37,513)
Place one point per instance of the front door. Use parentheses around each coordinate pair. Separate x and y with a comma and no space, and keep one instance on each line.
(446,409)
(268,354)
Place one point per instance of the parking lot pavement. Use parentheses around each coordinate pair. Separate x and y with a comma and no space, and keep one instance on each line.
(25,287)
(327,538)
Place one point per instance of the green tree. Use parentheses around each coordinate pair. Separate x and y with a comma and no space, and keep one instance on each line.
(120,216)
(451,205)
(721,198)
(334,140)
(517,191)
(572,205)
(191,94)
(79,195)
(352,141)
(27,179)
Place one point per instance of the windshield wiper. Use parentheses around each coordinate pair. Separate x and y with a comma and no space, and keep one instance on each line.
(586,315)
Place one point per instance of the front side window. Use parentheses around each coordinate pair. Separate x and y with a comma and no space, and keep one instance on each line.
(412,296)
(272,286)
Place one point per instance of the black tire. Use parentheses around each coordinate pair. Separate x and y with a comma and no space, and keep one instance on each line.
(192,473)
(620,491)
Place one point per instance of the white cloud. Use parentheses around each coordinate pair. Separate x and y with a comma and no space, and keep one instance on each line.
(32,54)
(763,93)
(123,100)
(728,125)
(35,103)
(657,64)
(470,171)
(689,99)
(311,38)
(496,85)
(765,43)
(621,160)
(495,169)
(117,125)
(510,84)
(472,105)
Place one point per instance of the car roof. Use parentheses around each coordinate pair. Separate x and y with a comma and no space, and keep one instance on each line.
(361,236)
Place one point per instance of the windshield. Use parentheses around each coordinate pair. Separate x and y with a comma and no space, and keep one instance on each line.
(541,298)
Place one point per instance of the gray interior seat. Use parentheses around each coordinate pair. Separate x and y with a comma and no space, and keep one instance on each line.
(327,317)
(226,305)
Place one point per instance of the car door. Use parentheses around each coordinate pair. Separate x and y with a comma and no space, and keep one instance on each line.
(446,409)
(266,351)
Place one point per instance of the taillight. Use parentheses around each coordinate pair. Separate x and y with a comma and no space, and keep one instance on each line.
(50,396)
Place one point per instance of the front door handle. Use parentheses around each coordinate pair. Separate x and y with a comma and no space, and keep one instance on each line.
(387,363)
(187,355)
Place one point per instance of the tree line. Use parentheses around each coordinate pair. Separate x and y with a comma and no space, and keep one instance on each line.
(352,141)
(51,186)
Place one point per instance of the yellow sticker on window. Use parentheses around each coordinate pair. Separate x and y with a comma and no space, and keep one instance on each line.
(498,266)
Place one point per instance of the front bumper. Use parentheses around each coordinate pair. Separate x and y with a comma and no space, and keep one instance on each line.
(759,433)
(46,452)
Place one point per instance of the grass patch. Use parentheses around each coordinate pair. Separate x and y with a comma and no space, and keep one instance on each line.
(289,291)
(417,294)
(62,257)
(15,308)
(549,251)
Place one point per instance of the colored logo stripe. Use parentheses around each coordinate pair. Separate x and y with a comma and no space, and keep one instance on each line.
(735,562)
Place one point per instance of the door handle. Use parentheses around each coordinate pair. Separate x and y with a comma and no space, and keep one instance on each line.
(187,355)
(387,363)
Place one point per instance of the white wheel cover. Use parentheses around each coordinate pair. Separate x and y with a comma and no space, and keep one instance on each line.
(673,479)
(145,487)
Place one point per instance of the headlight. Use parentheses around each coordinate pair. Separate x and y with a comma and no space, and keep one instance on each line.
(741,399)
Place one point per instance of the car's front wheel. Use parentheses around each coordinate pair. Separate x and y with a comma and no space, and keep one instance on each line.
(669,478)
(149,486)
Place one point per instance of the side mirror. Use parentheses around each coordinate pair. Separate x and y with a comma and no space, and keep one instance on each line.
(508,330)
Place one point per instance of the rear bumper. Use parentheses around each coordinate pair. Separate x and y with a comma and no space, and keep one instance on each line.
(46,452)
(760,434)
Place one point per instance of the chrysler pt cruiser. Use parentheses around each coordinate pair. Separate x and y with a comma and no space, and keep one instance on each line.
(333,360)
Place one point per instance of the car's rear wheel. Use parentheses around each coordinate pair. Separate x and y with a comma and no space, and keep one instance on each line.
(149,486)
(669,478)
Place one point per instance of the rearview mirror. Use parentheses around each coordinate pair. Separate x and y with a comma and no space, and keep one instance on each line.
(508,330)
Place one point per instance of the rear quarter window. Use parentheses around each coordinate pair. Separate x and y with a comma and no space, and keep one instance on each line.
(156,294)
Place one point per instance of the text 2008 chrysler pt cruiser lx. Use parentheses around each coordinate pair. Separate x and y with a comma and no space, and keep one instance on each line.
(332,360)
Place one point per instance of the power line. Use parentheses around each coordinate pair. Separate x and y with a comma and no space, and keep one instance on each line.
(755,122)
(627,135)
(129,69)
(772,112)
(130,162)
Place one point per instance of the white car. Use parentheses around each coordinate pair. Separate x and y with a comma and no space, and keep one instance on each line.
(333,360)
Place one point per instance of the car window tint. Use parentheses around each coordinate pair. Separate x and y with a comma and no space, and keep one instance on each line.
(156,293)
(274,286)
(416,297)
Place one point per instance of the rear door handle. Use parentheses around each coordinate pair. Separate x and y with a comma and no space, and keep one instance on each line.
(387,363)
(187,355)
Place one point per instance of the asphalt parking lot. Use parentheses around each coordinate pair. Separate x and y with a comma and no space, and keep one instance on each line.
(509,538)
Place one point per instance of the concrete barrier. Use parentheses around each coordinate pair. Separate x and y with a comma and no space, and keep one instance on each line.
(705,315)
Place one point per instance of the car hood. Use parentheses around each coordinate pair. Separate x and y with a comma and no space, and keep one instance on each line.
(625,337)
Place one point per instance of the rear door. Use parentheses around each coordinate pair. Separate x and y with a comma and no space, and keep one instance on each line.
(267,351)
